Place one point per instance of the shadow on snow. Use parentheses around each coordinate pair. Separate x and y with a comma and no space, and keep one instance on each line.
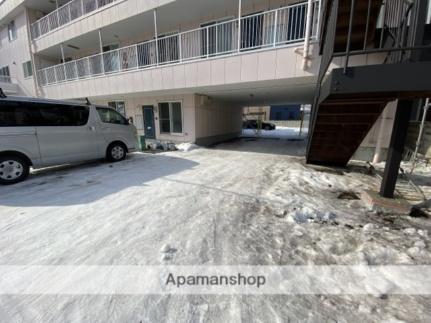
(89,182)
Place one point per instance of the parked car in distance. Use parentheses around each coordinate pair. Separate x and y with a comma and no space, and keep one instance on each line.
(38,133)
(254,124)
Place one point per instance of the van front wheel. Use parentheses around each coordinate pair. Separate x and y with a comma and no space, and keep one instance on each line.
(13,169)
(116,152)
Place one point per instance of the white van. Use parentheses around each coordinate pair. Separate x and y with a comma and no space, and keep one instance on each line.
(39,133)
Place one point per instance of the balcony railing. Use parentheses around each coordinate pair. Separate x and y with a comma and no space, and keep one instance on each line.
(65,14)
(265,30)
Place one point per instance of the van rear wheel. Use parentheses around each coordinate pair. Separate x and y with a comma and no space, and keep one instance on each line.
(13,169)
(116,152)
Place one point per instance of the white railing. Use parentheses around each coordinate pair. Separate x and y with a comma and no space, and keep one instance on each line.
(5,79)
(65,14)
(269,29)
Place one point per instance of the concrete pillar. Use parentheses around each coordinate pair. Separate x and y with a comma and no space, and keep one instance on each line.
(379,145)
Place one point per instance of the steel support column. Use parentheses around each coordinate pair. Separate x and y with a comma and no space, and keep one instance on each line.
(396,148)
(404,107)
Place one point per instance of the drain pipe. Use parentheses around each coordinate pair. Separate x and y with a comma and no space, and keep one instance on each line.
(305,57)
(421,131)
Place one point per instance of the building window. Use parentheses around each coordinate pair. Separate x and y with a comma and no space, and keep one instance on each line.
(11,31)
(28,69)
(119,106)
(171,117)
(5,74)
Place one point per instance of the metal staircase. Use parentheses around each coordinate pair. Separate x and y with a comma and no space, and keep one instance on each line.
(349,100)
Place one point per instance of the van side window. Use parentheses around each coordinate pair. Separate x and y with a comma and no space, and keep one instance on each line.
(32,114)
(53,115)
(17,114)
(111,116)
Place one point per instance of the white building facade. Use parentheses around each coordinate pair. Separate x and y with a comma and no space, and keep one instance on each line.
(181,69)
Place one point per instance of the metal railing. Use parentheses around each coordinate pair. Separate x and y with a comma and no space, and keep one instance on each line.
(269,29)
(5,79)
(65,14)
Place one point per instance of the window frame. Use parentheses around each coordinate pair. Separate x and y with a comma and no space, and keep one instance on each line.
(5,68)
(27,66)
(5,74)
(12,31)
(171,124)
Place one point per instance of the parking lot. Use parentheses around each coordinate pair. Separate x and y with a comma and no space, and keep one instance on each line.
(250,201)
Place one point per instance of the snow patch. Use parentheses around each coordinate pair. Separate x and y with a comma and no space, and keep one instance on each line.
(365,309)
(187,146)
(309,215)
(423,233)
(410,231)
(369,227)
(166,248)
(420,244)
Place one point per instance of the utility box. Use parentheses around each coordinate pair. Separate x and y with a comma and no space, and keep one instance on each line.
(142,145)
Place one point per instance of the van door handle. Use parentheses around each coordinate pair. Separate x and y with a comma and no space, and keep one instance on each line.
(92,128)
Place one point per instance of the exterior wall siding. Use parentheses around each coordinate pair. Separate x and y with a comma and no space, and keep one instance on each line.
(216,121)
(15,53)
(134,110)
(367,149)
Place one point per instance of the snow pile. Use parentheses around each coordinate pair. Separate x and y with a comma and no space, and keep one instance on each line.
(279,132)
(309,215)
(187,146)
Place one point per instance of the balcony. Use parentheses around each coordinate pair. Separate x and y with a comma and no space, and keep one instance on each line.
(65,14)
(267,30)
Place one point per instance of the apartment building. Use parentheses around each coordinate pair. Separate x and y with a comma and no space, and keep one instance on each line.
(181,69)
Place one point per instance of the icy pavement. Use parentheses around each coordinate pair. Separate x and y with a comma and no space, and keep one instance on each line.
(247,202)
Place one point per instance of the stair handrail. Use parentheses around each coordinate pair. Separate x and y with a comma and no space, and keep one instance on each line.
(327,49)
(399,34)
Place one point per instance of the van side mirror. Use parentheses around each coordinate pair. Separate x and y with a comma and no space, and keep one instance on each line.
(130,120)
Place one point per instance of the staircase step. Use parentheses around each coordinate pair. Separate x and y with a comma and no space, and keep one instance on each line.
(341,126)
(347,119)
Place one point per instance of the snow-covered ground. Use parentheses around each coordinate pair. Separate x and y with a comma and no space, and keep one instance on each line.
(246,202)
